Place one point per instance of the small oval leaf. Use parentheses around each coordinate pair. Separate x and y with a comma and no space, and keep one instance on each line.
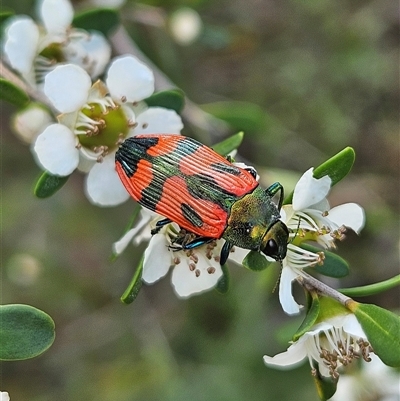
(224,281)
(25,332)
(311,317)
(228,145)
(334,265)
(337,167)
(382,329)
(173,99)
(326,386)
(48,184)
(13,94)
(135,285)
(255,261)
(104,20)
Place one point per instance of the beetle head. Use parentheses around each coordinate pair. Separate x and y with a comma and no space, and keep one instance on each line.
(275,240)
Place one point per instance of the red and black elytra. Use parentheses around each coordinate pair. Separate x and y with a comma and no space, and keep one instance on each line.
(195,187)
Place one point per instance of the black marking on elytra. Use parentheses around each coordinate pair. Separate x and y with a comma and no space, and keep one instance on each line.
(203,186)
(186,147)
(225,168)
(131,151)
(191,215)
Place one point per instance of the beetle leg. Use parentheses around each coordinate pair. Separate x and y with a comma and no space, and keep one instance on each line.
(225,252)
(196,242)
(159,225)
(274,189)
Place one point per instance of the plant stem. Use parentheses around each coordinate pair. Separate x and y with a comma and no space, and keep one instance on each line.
(9,75)
(311,283)
(372,288)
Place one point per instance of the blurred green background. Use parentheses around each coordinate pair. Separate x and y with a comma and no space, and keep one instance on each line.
(303,79)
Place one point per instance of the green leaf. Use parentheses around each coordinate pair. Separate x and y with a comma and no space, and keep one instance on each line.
(4,16)
(104,20)
(311,317)
(25,332)
(337,167)
(135,285)
(13,94)
(243,116)
(226,146)
(224,281)
(173,99)
(382,329)
(326,386)
(334,265)
(371,289)
(255,261)
(48,184)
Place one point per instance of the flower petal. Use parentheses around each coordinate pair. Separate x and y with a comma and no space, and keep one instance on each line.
(157,120)
(310,190)
(21,44)
(352,326)
(56,150)
(120,245)
(56,15)
(130,79)
(91,51)
(289,305)
(350,215)
(67,86)
(4,396)
(103,186)
(294,355)
(157,259)
(185,281)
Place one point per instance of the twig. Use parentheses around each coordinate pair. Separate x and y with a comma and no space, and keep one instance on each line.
(311,283)
(9,75)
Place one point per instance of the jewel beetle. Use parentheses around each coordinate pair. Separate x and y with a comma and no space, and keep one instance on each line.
(203,192)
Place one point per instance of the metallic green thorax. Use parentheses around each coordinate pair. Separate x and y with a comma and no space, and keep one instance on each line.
(253,221)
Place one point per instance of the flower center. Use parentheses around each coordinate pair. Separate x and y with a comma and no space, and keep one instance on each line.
(101,127)
(340,349)
(53,52)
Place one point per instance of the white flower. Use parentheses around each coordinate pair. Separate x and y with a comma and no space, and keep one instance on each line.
(95,119)
(193,271)
(332,344)
(4,396)
(30,122)
(309,217)
(185,25)
(34,49)
(373,381)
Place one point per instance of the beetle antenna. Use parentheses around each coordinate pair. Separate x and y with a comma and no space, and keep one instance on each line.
(296,232)
(279,277)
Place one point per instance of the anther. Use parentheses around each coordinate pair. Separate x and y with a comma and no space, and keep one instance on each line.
(210,270)
(197,272)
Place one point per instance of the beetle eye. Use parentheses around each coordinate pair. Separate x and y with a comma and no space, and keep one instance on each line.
(271,248)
